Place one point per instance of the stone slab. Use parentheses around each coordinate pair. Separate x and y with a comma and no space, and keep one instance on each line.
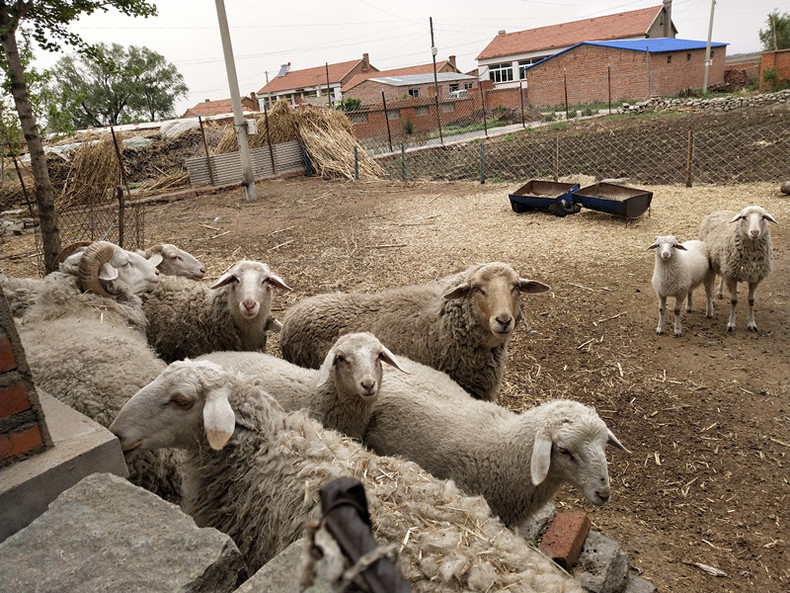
(602,566)
(281,574)
(106,535)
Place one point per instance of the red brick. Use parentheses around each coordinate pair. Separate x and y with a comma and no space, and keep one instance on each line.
(14,399)
(7,358)
(19,443)
(565,537)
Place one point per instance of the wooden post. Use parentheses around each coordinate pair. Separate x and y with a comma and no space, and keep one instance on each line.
(386,118)
(205,148)
(269,137)
(121,204)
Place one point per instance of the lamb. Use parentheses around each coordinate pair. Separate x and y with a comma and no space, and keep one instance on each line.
(187,319)
(254,472)
(175,261)
(340,395)
(460,324)
(679,268)
(90,352)
(739,247)
(516,461)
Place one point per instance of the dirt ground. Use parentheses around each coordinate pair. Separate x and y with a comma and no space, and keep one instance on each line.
(706,416)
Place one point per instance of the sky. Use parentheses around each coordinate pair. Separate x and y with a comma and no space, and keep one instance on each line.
(309,33)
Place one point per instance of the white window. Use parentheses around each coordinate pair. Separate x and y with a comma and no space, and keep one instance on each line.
(501,72)
(414,92)
(469,85)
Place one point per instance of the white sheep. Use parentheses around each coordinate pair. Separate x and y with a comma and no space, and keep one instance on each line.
(679,268)
(187,318)
(340,394)
(739,247)
(461,324)
(175,261)
(516,461)
(254,473)
(90,352)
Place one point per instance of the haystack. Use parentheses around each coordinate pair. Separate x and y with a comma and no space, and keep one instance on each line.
(326,133)
(94,172)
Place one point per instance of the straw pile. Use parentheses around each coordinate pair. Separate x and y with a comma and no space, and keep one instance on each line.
(94,172)
(326,133)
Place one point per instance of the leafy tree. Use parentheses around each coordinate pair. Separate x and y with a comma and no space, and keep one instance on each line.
(777,35)
(112,85)
(48,21)
(349,104)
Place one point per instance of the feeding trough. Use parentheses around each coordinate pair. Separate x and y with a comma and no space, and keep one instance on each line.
(619,200)
(540,195)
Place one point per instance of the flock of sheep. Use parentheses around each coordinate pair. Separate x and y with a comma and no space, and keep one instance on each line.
(396,388)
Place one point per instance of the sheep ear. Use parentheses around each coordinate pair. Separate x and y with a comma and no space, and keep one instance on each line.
(652,246)
(224,280)
(390,359)
(155,259)
(273,325)
(612,440)
(326,367)
(107,272)
(679,246)
(532,286)
(278,282)
(735,218)
(767,216)
(458,292)
(219,420)
(541,459)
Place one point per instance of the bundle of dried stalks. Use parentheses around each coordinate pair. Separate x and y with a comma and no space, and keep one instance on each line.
(279,123)
(93,175)
(164,182)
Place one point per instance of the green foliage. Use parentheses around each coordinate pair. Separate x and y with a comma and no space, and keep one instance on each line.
(112,85)
(770,74)
(408,127)
(776,35)
(549,117)
(349,104)
(587,111)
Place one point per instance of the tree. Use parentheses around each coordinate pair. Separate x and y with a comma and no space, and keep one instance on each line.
(777,35)
(48,20)
(112,85)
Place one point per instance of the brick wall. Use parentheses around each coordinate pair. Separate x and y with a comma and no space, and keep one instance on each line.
(369,91)
(23,430)
(775,59)
(589,69)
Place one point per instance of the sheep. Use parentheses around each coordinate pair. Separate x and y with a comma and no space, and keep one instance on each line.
(516,461)
(90,352)
(187,319)
(168,259)
(739,248)
(340,395)
(254,472)
(460,324)
(175,261)
(679,268)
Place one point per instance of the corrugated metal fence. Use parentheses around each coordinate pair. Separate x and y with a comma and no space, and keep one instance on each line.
(226,167)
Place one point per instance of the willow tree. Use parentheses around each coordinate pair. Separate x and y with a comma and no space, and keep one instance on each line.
(48,21)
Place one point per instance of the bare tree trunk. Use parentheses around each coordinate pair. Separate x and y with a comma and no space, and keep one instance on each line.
(45,195)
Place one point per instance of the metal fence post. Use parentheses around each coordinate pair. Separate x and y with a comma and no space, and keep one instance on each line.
(386,119)
(356,162)
(483,104)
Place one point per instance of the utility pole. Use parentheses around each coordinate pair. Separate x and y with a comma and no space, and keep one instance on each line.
(436,84)
(707,49)
(238,117)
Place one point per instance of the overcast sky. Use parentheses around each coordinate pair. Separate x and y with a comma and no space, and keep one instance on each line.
(309,33)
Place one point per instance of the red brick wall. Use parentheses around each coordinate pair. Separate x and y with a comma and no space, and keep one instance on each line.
(369,91)
(23,430)
(775,59)
(633,78)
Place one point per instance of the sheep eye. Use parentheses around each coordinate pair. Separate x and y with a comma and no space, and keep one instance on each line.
(182,402)
(564,451)
(340,358)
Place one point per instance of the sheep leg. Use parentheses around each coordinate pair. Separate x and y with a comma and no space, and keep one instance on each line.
(750,324)
(689,303)
(662,307)
(732,286)
(678,306)
(708,283)
(721,287)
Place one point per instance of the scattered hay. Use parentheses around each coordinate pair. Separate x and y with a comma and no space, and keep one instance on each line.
(327,135)
(94,173)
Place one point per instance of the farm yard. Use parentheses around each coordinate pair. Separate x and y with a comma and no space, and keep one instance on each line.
(706,416)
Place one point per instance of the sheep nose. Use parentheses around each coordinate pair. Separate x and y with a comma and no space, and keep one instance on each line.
(249,304)
(504,320)
(156,272)
(754,234)
(603,495)
(368,386)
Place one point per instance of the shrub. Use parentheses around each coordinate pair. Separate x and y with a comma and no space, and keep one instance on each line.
(408,127)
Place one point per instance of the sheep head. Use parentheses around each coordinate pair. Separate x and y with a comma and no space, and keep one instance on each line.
(665,245)
(494,291)
(356,360)
(177,262)
(752,222)
(569,445)
(102,262)
(250,287)
(187,398)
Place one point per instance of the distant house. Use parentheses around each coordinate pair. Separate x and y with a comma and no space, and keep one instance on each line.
(415,82)
(505,58)
(620,70)
(312,85)
(222,106)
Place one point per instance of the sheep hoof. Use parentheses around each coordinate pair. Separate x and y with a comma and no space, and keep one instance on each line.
(730,329)
(677,334)
(659,331)
(753,328)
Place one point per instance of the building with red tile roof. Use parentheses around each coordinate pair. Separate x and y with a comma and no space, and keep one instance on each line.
(504,58)
(312,85)
(221,107)
(447,65)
